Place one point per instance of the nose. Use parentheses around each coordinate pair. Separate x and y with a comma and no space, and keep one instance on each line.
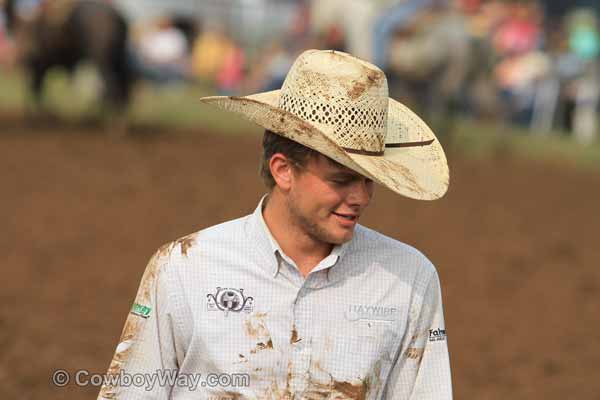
(361,193)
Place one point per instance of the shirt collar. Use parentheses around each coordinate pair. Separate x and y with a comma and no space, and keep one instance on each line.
(264,239)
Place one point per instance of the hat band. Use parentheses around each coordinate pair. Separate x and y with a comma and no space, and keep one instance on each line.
(380,153)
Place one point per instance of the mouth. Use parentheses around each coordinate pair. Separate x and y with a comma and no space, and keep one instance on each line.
(346,217)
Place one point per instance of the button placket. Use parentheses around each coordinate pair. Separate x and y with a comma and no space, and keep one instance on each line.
(300,343)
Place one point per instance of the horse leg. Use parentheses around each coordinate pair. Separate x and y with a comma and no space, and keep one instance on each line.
(115,100)
(34,106)
(36,85)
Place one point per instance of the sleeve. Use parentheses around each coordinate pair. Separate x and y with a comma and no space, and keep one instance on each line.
(147,345)
(421,370)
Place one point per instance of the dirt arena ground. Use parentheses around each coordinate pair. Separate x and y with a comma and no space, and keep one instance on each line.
(516,245)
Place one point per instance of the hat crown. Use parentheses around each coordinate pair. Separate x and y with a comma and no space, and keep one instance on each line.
(344,96)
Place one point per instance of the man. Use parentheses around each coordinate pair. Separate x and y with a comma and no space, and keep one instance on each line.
(298,297)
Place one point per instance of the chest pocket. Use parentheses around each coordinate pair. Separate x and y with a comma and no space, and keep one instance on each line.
(364,351)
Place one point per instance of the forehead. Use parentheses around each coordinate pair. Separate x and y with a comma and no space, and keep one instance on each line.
(328,165)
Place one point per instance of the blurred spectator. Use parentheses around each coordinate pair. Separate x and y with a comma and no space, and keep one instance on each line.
(578,72)
(300,27)
(521,32)
(518,77)
(6,53)
(469,7)
(270,72)
(400,17)
(484,21)
(208,53)
(521,63)
(584,39)
(189,27)
(163,51)
(164,44)
(358,21)
(334,38)
(276,58)
(428,59)
(231,74)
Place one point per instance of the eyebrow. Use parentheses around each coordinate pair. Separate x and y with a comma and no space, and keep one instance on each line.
(344,174)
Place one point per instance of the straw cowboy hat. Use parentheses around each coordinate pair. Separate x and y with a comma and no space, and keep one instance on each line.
(338,105)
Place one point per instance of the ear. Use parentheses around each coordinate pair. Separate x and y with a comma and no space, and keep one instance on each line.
(282,171)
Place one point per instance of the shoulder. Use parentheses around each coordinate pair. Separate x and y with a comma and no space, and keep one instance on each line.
(392,254)
(167,262)
(217,236)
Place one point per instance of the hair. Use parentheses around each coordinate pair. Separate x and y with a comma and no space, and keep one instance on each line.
(273,144)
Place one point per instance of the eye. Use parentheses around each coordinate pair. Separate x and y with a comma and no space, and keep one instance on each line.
(340,182)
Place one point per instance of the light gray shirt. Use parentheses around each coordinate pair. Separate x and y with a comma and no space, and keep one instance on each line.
(224,314)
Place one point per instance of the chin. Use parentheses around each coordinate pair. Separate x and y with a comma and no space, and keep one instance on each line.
(342,238)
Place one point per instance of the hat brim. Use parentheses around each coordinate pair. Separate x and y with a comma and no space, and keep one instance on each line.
(418,172)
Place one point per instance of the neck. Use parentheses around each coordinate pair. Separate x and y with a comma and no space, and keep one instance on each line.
(305,250)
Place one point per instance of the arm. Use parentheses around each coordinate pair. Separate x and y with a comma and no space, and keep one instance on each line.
(422,368)
(147,342)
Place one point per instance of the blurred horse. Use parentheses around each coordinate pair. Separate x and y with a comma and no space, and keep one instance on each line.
(63,33)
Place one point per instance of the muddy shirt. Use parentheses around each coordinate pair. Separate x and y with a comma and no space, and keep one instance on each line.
(224,314)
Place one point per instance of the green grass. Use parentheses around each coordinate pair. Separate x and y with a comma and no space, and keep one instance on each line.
(175,106)
(178,107)
(12,89)
(484,140)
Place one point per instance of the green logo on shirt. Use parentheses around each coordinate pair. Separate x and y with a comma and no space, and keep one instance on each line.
(140,310)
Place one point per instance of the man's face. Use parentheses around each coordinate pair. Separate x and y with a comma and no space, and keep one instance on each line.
(326,199)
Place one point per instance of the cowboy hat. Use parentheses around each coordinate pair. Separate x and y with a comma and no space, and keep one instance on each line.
(338,105)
